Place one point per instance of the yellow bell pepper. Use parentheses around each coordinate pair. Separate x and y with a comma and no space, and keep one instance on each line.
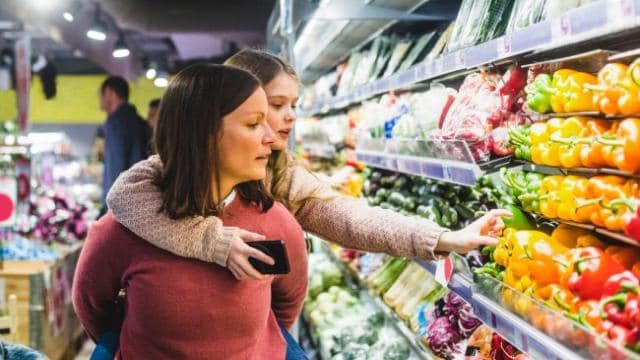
(570,93)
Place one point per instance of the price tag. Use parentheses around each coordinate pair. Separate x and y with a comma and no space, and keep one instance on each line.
(438,66)
(504,46)
(561,27)
(459,59)
(484,315)
(506,329)
(460,175)
(432,170)
(411,165)
(444,270)
(619,9)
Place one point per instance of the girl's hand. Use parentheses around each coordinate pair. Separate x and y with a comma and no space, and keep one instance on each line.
(481,232)
(238,261)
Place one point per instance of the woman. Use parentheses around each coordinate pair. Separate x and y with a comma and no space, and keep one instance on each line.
(134,199)
(180,308)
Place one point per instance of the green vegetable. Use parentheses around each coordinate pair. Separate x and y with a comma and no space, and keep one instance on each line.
(518,220)
(396,199)
(429,212)
(539,94)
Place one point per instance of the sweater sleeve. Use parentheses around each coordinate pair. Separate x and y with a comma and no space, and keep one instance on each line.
(289,291)
(97,280)
(135,201)
(354,224)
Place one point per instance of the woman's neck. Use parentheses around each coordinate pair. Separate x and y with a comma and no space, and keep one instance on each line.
(226,187)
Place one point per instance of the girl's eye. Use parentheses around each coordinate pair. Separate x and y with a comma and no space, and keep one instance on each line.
(277,106)
(253,126)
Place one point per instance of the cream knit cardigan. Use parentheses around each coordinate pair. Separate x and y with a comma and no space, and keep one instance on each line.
(135,202)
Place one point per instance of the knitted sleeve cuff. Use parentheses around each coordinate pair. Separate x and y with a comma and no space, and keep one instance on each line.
(222,247)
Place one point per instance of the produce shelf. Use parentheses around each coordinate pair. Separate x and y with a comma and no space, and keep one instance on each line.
(599,19)
(520,332)
(586,172)
(446,160)
(357,284)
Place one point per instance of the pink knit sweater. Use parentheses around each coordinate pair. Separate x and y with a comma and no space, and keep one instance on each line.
(135,201)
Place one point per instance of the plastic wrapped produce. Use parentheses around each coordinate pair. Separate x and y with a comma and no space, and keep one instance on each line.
(525,13)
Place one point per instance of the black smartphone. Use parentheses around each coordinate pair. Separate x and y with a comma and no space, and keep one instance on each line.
(277,250)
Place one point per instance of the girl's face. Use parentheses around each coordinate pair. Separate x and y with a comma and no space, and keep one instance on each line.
(282,95)
(245,141)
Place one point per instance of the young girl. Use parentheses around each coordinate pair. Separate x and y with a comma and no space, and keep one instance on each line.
(134,200)
(175,307)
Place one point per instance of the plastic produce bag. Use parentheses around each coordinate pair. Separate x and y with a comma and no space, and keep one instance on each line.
(525,13)
(468,119)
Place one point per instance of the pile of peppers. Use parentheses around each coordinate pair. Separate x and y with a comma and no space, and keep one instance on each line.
(608,201)
(563,92)
(614,92)
(581,142)
(574,273)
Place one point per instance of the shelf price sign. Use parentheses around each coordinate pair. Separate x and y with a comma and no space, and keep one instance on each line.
(8,200)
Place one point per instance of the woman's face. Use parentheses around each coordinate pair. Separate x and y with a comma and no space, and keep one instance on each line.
(245,141)
(282,94)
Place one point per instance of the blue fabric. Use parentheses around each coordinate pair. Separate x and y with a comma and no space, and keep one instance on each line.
(127,139)
(107,346)
(18,352)
(294,351)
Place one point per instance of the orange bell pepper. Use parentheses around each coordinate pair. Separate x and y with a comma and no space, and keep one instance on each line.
(626,256)
(622,148)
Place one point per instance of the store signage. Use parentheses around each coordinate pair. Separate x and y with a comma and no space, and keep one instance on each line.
(8,199)
(23,81)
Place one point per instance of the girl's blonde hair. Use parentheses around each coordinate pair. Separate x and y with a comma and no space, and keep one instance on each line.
(266,66)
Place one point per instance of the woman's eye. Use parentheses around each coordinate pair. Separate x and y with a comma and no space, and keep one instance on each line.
(253,126)
(277,106)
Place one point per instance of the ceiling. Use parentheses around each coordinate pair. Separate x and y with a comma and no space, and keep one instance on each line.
(167,33)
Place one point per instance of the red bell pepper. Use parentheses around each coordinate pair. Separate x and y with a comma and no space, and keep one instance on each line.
(622,309)
(591,270)
(619,335)
(625,281)
(632,228)
(632,311)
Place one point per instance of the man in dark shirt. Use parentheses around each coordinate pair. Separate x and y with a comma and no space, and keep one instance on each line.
(126,134)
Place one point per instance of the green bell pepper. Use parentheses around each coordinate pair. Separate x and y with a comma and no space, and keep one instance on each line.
(539,94)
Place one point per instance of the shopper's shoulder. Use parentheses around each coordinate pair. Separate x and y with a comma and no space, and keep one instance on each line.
(108,228)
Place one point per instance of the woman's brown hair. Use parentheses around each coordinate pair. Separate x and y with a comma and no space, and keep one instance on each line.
(189,127)
(266,67)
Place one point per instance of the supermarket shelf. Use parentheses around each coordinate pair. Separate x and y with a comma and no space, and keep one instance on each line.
(516,331)
(357,284)
(586,172)
(604,232)
(324,152)
(458,172)
(335,31)
(598,19)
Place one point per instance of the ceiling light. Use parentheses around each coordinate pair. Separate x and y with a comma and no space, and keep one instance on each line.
(98,30)
(68,16)
(151,73)
(120,49)
(161,82)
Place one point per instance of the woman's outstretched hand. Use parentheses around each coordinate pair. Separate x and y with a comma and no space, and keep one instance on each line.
(481,232)
(239,254)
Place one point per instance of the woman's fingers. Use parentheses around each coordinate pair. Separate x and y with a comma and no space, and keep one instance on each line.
(250,236)
(499,212)
(249,270)
(487,240)
(259,255)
